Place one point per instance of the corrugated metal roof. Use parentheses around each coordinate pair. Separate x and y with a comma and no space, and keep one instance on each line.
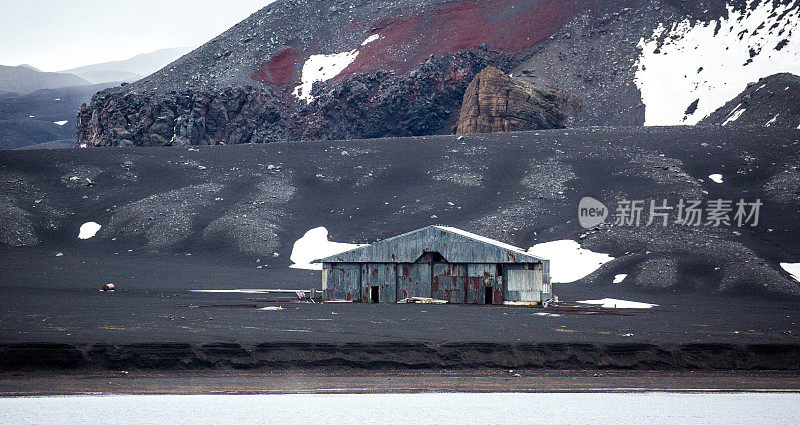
(455,245)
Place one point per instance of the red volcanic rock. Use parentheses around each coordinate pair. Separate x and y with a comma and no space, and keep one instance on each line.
(495,102)
(510,26)
(281,69)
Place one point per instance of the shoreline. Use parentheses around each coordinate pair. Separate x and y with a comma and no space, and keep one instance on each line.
(353,381)
(400,355)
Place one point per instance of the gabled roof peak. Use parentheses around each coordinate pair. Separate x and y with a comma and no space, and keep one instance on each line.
(456,245)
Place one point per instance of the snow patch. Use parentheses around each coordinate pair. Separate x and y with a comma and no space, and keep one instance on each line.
(772,121)
(568,261)
(667,70)
(88,230)
(60,123)
(370,39)
(734,115)
(619,278)
(483,239)
(716,178)
(318,68)
(793,269)
(614,303)
(322,68)
(272,308)
(315,245)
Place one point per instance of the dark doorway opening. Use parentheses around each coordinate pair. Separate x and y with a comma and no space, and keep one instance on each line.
(488,297)
(374,295)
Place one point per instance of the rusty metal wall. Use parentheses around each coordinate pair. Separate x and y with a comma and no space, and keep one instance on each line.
(480,276)
(382,275)
(456,283)
(343,282)
(449,282)
(413,280)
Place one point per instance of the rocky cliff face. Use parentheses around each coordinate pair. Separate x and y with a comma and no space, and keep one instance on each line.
(374,68)
(379,104)
(495,102)
(334,69)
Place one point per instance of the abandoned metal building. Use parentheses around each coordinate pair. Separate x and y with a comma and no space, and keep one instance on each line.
(442,263)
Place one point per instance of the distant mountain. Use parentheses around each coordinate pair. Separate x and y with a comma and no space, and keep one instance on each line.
(773,101)
(42,117)
(26,79)
(129,70)
(38,109)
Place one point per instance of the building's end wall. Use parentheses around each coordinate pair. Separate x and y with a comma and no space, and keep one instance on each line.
(342,281)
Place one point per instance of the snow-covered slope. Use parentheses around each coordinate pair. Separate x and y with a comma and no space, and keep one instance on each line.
(691,68)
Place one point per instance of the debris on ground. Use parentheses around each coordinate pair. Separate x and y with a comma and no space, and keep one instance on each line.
(421,300)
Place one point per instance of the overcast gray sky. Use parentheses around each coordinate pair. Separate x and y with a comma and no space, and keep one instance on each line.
(54,35)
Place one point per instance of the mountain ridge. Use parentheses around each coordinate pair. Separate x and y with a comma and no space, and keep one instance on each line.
(301,69)
(25,79)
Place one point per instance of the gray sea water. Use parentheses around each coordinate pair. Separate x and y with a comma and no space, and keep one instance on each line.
(439,408)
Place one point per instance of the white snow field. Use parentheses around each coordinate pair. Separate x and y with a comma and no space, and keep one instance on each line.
(716,178)
(324,67)
(620,278)
(315,245)
(60,123)
(793,269)
(88,230)
(568,261)
(614,303)
(711,61)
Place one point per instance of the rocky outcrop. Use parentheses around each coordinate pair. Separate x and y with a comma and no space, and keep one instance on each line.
(235,115)
(773,101)
(380,104)
(495,102)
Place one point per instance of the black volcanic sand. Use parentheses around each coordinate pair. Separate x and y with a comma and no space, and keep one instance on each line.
(176,219)
(153,304)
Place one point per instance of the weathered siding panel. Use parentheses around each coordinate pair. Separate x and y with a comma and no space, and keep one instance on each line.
(524,283)
(479,277)
(413,280)
(382,275)
(343,282)
(449,282)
